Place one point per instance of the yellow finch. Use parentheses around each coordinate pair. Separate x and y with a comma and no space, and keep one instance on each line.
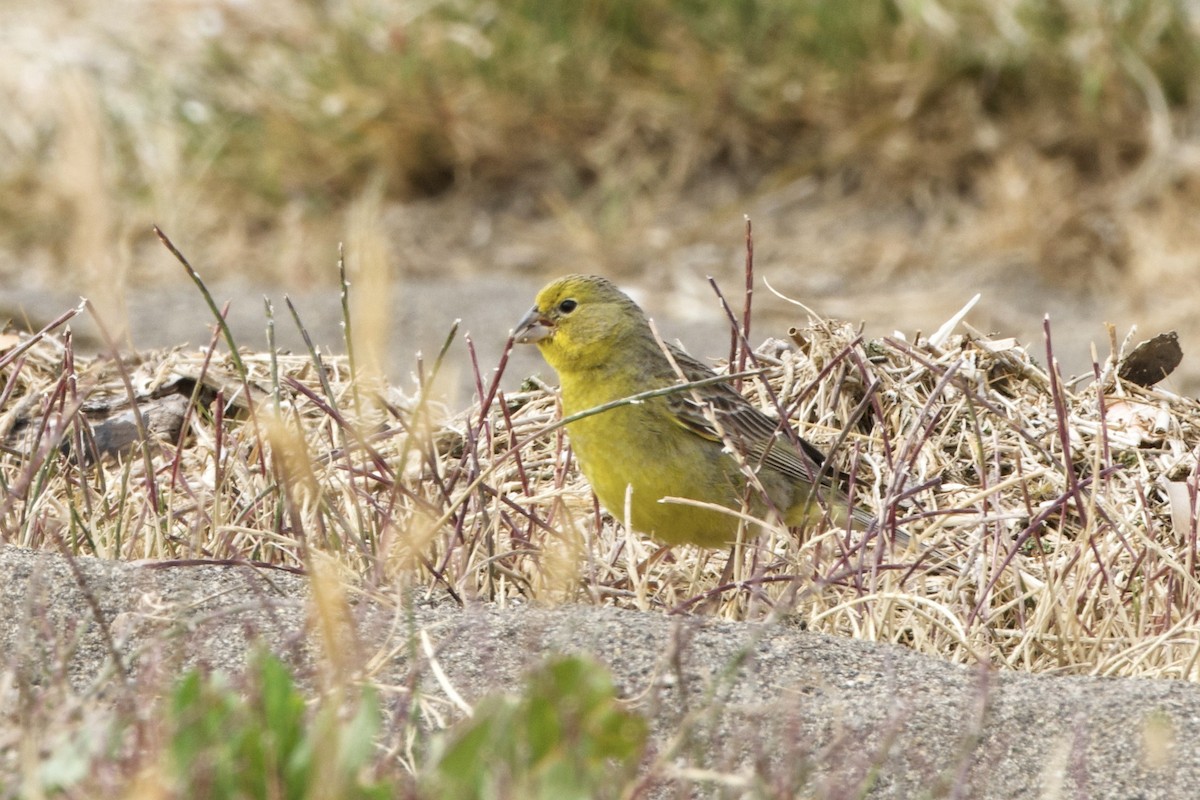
(677,445)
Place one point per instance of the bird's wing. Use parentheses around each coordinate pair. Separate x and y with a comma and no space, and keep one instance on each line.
(759,436)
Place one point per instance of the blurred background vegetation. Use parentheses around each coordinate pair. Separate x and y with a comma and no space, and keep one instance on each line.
(1049,144)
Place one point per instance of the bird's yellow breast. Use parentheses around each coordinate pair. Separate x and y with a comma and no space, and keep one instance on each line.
(635,455)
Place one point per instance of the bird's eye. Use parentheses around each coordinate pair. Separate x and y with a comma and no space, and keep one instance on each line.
(567,306)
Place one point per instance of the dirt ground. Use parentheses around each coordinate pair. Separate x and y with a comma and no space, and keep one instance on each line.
(730,703)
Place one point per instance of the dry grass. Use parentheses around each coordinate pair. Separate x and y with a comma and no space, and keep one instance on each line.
(1068,512)
(258,128)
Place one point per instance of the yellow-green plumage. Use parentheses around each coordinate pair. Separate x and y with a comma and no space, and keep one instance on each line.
(601,345)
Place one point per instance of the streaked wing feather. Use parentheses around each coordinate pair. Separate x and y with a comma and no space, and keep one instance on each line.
(759,435)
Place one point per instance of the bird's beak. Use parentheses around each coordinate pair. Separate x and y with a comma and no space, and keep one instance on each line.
(533,328)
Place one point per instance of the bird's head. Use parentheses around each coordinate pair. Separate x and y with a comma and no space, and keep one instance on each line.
(580,321)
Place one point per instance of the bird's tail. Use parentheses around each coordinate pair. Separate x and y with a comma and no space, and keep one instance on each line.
(841,512)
